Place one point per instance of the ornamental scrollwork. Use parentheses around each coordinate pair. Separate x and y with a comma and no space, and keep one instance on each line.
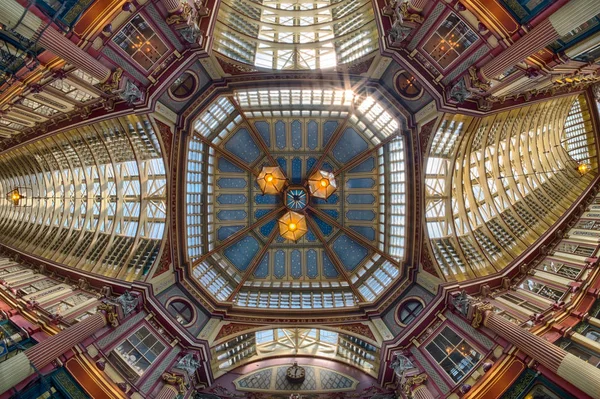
(476,82)
(479,313)
(411,382)
(183,16)
(113,83)
(409,16)
(175,379)
(110,312)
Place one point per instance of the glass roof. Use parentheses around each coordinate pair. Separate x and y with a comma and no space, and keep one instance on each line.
(495,184)
(296,34)
(354,247)
(92,198)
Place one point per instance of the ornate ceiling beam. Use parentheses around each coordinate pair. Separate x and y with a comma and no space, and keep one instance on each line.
(354,235)
(332,142)
(254,264)
(340,268)
(257,137)
(239,234)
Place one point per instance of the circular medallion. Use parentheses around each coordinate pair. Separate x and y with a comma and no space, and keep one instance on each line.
(296,198)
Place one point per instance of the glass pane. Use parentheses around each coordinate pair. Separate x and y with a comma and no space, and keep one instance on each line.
(451,336)
(436,352)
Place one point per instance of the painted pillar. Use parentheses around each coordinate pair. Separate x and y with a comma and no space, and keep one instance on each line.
(568,17)
(593,321)
(421,392)
(567,366)
(417,5)
(585,341)
(167,392)
(172,6)
(24,364)
(32,27)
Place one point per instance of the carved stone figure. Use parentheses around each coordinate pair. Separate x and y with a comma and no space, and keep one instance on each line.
(459,92)
(128,303)
(399,32)
(188,363)
(131,93)
(461,303)
(400,364)
(191,34)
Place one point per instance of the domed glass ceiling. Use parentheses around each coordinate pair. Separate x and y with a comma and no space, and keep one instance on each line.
(295,34)
(354,247)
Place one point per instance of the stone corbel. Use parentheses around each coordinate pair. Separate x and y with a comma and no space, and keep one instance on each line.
(403,19)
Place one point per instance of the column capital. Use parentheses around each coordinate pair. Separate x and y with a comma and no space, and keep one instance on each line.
(479,313)
(110,312)
(414,383)
(415,380)
(472,309)
(175,380)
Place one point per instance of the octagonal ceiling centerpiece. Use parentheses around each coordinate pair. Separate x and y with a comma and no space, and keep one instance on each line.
(352,248)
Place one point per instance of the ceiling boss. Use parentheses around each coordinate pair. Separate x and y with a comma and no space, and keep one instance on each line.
(272,181)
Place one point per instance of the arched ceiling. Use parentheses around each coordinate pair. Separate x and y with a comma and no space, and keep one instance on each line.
(354,249)
(295,35)
(100,192)
(92,198)
(496,184)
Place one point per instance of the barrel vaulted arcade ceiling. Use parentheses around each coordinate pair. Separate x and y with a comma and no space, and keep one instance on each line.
(92,197)
(354,247)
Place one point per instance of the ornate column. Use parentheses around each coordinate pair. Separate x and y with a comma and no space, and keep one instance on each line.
(568,17)
(14,16)
(415,387)
(167,392)
(567,366)
(417,5)
(24,364)
(172,6)
(71,53)
(593,321)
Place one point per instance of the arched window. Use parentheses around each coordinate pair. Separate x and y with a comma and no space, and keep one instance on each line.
(409,310)
(182,311)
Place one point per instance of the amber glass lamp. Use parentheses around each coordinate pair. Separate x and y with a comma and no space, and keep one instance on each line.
(14,196)
(322,184)
(271,180)
(292,226)
(583,168)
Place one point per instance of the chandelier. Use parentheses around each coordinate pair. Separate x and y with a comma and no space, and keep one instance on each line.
(292,226)
(583,168)
(322,184)
(15,196)
(271,180)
